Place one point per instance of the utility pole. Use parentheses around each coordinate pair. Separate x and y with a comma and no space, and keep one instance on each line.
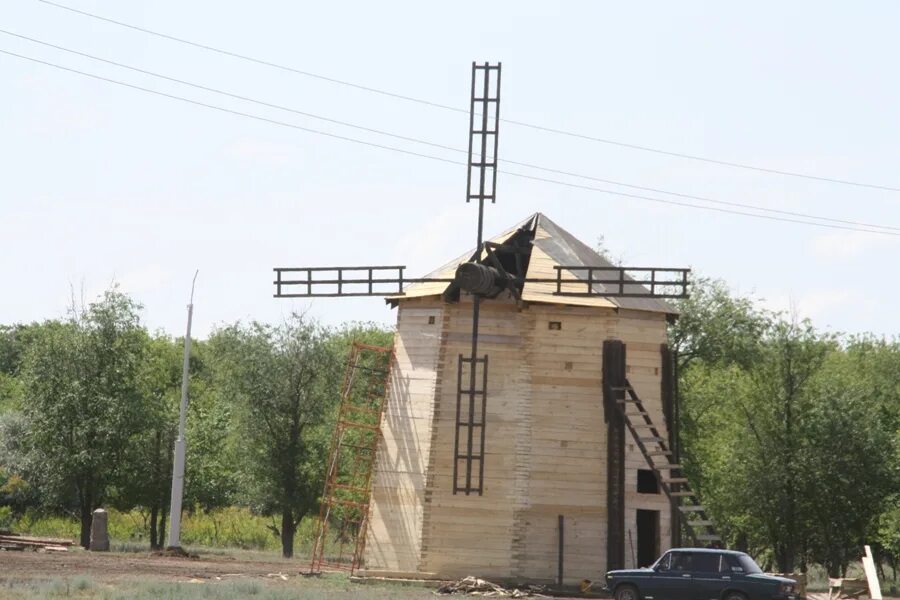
(178,463)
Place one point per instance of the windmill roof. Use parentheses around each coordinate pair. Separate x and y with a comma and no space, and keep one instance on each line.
(552,246)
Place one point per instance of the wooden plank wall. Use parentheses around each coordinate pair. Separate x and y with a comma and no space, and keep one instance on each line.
(545,450)
(393,541)
(568,443)
(472,535)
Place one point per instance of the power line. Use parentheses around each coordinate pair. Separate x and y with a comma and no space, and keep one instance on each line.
(432,157)
(687,204)
(432,104)
(231,94)
(233,112)
(258,61)
(443,146)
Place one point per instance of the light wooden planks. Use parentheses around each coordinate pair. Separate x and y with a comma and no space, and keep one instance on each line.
(545,452)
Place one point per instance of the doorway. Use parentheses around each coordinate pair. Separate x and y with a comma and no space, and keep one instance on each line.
(647,537)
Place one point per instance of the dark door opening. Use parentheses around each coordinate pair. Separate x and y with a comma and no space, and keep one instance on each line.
(647,537)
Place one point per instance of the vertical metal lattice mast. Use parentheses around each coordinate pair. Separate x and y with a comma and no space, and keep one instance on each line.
(481,185)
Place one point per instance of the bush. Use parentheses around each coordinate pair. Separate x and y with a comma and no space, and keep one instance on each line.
(231,527)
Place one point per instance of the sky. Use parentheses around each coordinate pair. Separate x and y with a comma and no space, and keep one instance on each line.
(102,184)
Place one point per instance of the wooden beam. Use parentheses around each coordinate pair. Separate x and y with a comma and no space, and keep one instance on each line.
(667,394)
(614,377)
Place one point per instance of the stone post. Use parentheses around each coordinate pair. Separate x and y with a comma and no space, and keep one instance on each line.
(99,531)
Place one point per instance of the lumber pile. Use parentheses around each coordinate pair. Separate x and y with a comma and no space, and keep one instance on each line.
(473,586)
(12,541)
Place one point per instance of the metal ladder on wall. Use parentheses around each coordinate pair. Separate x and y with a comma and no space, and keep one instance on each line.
(344,513)
(673,483)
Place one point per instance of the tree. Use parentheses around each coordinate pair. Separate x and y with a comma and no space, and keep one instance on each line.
(717,326)
(82,401)
(149,451)
(762,439)
(13,341)
(281,381)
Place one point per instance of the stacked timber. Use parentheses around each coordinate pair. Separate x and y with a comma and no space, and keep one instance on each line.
(12,541)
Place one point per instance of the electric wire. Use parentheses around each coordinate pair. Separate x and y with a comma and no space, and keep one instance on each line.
(231,111)
(433,157)
(442,146)
(543,128)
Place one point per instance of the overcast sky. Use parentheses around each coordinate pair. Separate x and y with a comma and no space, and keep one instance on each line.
(99,183)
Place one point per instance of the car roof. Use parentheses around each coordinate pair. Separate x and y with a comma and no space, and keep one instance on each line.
(706,550)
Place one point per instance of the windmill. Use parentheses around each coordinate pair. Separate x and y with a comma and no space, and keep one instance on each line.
(492,268)
(498,271)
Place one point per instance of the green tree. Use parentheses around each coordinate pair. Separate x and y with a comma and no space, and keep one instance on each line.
(82,401)
(846,490)
(717,326)
(281,381)
(210,469)
(762,438)
(13,341)
(146,477)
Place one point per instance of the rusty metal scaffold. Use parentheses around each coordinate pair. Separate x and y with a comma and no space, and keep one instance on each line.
(343,517)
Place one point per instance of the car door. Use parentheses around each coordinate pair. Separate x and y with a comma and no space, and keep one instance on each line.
(671,578)
(734,571)
(708,579)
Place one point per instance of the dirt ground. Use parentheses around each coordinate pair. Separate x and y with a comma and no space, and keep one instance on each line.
(114,566)
(81,575)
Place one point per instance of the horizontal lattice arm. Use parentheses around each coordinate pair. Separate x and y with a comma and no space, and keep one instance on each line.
(314,282)
(619,282)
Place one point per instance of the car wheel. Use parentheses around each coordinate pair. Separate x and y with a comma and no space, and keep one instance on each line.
(627,592)
(735,596)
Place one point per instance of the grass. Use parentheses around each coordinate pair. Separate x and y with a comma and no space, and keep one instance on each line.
(231,527)
(817,578)
(328,587)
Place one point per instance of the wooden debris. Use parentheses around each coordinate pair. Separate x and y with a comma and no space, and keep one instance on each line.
(7,547)
(868,562)
(847,587)
(13,541)
(473,586)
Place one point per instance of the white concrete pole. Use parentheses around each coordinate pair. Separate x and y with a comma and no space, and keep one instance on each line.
(178,463)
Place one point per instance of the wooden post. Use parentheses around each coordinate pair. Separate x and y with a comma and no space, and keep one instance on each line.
(667,393)
(559,570)
(614,376)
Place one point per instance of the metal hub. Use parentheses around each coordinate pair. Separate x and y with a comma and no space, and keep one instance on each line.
(479,279)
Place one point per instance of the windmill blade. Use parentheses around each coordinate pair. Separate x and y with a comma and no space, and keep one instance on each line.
(481,185)
(618,282)
(319,282)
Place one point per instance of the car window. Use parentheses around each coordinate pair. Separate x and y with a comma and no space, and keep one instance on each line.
(681,561)
(706,562)
(724,565)
(748,564)
(663,563)
(741,563)
(733,564)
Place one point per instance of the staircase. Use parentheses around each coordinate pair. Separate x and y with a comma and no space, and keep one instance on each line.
(659,456)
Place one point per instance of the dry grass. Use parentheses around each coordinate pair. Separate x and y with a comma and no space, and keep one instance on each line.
(296,588)
(270,588)
(141,576)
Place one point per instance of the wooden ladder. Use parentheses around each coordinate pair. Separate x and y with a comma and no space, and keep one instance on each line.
(673,483)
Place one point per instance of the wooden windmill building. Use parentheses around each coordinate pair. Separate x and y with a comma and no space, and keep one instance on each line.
(528,405)
(553,445)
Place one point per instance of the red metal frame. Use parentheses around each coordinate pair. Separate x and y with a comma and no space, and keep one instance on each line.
(354,444)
